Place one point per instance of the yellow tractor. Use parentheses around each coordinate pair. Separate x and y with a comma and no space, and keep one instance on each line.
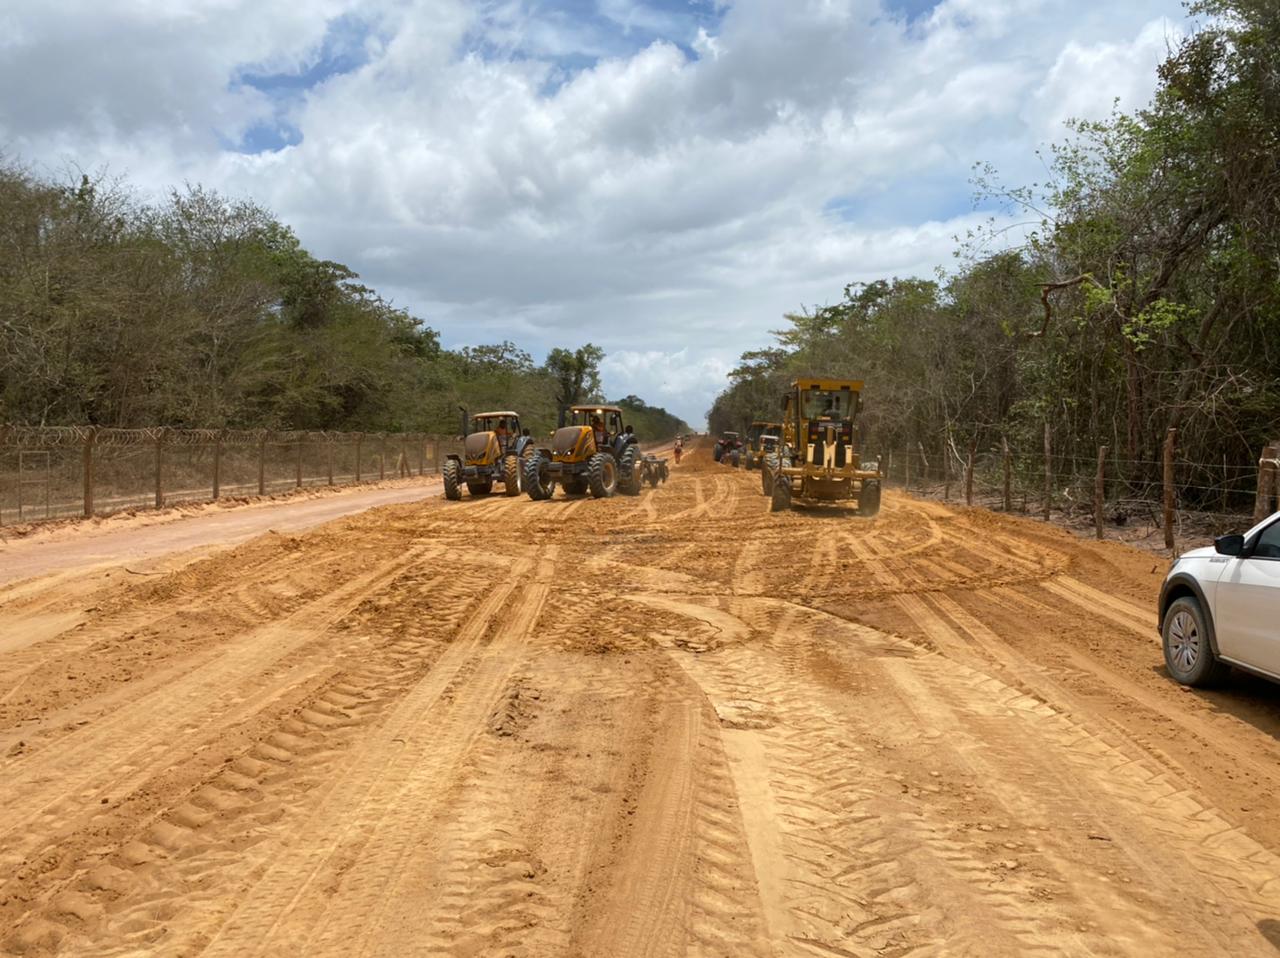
(594,453)
(819,456)
(493,451)
(756,442)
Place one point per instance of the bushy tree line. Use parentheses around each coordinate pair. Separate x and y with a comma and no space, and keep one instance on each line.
(206,312)
(1148,297)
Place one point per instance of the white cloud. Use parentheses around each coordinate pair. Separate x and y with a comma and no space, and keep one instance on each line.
(668,201)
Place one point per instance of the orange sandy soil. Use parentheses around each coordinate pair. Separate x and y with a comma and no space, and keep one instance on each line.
(671,724)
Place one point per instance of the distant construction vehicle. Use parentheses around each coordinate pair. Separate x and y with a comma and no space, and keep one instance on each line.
(728,449)
(754,453)
(595,453)
(819,459)
(492,451)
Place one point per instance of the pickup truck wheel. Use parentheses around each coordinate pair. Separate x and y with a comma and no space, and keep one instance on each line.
(1187,653)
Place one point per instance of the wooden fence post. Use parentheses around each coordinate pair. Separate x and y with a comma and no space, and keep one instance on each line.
(1169,439)
(262,463)
(906,471)
(328,445)
(1100,491)
(160,468)
(359,444)
(1048,472)
(968,473)
(298,463)
(924,467)
(1266,480)
(946,471)
(422,455)
(382,458)
(90,436)
(1008,476)
(217,463)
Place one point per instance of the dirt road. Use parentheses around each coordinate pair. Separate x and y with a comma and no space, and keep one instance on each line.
(665,725)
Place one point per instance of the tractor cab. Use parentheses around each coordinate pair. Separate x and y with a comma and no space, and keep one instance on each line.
(756,451)
(493,435)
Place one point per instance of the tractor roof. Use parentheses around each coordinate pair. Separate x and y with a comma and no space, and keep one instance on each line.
(590,407)
(490,415)
(853,385)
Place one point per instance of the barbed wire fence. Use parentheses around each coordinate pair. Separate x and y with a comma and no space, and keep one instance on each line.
(61,471)
(1179,498)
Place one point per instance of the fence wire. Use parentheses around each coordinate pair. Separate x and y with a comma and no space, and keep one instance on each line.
(60,471)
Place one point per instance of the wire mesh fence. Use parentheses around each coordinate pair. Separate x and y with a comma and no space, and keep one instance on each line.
(1180,496)
(54,472)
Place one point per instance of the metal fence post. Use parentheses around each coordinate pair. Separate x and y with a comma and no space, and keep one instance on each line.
(160,467)
(90,435)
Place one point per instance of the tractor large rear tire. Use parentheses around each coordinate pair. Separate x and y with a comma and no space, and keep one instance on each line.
(735,459)
(602,475)
(537,478)
(869,498)
(511,477)
(452,484)
(780,500)
(630,477)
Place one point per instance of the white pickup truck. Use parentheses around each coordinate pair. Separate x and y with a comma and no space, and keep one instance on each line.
(1220,607)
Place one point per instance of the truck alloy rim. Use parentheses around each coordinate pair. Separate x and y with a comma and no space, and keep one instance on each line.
(1184,641)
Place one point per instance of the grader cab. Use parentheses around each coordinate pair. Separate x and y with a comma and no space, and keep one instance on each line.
(492,451)
(819,456)
(594,453)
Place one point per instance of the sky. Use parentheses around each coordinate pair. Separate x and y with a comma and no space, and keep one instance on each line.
(664,178)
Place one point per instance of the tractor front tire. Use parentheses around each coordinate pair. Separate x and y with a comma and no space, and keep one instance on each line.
(602,475)
(630,478)
(537,478)
(780,499)
(452,484)
(869,498)
(511,474)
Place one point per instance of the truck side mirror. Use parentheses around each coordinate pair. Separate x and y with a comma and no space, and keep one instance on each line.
(1229,545)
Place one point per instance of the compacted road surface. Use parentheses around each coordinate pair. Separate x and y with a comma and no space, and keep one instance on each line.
(666,725)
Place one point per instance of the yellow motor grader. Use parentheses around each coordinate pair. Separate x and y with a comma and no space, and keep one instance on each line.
(757,437)
(492,451)
(819,457)
(594,453)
